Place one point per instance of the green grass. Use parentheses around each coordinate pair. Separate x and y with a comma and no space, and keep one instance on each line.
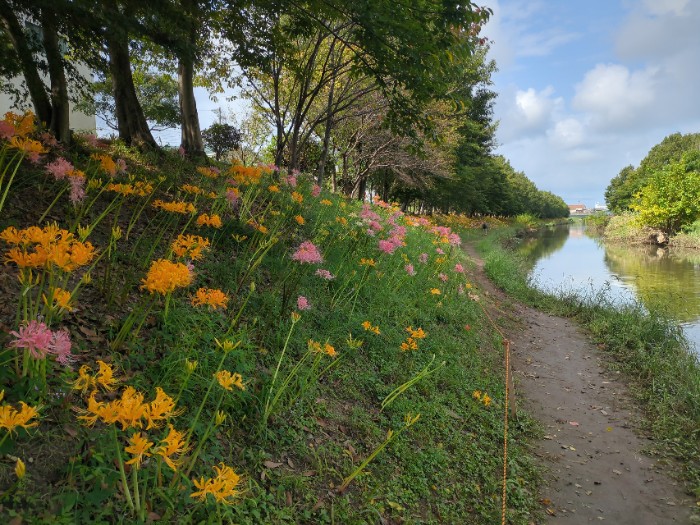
(646,346)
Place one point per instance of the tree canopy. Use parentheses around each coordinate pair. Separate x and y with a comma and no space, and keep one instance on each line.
(377,97)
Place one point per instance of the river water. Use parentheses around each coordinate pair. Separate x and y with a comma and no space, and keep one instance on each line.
(572,258)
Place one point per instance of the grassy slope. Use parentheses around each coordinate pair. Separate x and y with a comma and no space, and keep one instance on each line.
(445,468)
(646,346)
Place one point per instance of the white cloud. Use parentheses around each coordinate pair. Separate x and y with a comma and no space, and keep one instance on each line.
(664,7)
(525,113)
(534,108)
(567,133)
(513,32)
(543,43)
(614,95)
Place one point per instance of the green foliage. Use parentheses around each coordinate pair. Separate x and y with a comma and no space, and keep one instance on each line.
(671,197)
(221,139)
(620,193)
(157,94)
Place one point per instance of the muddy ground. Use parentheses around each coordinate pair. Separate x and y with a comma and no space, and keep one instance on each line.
(592,455)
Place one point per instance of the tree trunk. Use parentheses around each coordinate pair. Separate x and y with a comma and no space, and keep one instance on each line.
(361,188)
(191,132)
(37,89)
(60,114)
(326,136)
(131,122)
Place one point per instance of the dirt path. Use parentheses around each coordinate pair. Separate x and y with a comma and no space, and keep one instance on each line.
(595,471)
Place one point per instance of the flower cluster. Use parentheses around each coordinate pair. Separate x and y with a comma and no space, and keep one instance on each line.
(138,188)
(172,444)
(228,380)
(222,487)
(303,303)
(192,189)
(39,340)
(233,195)
(209,220)
(307,253)
(209,172)
(46,247)
(446,236)
(175,206)
(165,276)
(411,342)
(246,174)
(297,197)
(483,397)
(30,147)
(129,410)
(324,274)
(15,124)
(103,378)
(257,226)
(210,296)
(190,246)
(370,328)
(59,168)
(11,418)
(59,299)
(316,348)
(108,165)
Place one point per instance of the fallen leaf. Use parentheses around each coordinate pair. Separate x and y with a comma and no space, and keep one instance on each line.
(573,423)
(395,505)
(290,462)
(87,331)
(271,464)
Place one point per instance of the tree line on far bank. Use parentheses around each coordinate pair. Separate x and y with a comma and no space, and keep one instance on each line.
(379,96)
(664,190)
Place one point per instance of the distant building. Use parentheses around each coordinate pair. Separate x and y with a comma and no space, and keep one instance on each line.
(79,121)
(600,207)
(577,209)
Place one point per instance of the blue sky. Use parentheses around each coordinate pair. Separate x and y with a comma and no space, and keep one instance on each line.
(586,87)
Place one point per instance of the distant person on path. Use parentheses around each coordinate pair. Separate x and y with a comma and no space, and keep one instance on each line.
(485,228)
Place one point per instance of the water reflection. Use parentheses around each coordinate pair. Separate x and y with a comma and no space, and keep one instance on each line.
(574,258)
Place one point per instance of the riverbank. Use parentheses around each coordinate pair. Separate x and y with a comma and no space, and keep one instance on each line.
(646,348)
(625,229)
(593,464)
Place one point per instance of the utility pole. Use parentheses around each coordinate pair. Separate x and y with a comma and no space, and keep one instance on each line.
(219,112)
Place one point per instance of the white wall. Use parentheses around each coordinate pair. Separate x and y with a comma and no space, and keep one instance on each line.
(79,121)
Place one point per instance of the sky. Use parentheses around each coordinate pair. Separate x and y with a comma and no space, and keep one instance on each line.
(587,87)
